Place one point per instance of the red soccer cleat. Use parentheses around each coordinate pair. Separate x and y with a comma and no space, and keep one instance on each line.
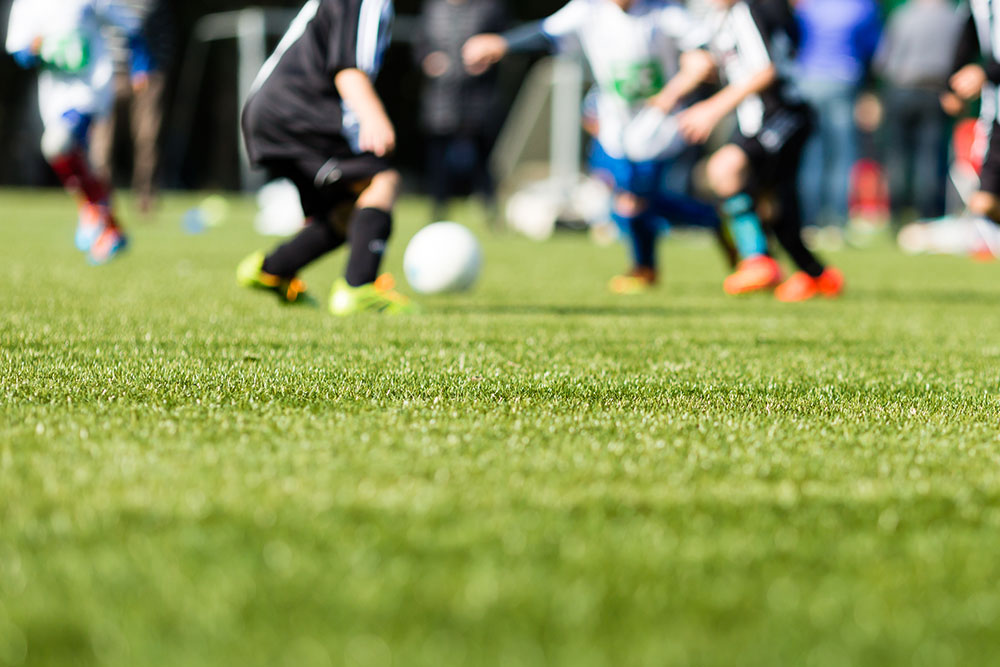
(753,275)
(802,286)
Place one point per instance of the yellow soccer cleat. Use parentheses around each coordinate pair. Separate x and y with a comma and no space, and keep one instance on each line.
(288,290)
(377,297)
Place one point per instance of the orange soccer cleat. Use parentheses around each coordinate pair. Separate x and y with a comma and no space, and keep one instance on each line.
(90,224)
(802,286)
(637,281)
(110,243)
(753,275)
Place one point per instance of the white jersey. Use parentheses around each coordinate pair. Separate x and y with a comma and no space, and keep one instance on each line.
(986,14)
(89,91)
(632,53)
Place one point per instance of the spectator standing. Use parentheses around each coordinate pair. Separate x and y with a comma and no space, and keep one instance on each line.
(838,39)
(458,109)
(915,59)
(139,101)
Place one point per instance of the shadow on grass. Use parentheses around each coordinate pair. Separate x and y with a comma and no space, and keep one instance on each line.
(950,297)
(546,310)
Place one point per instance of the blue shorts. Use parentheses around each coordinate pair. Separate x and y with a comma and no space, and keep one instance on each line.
(79,125)
(648,181)
(642,179)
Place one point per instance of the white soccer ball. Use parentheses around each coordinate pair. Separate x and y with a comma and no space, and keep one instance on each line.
(442,257)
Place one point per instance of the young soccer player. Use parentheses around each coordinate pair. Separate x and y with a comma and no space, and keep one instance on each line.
(977,73)
(746,42)
(633,47)
(314,118)
(63,39)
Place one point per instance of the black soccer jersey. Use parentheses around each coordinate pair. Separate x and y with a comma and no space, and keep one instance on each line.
(745,39)
(981,41)
(294,105)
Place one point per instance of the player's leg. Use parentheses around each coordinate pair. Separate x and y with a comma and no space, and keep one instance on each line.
(325,231)
(370,228)
(636,186)
(813,278)
(362,289)
(278,271)
(318,238)
(633,216)
(64,146)
(986,202)
(728,173)
(326,211)
(985,205)
(686,210)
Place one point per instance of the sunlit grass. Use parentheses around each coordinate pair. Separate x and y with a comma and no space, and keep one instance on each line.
(533,473)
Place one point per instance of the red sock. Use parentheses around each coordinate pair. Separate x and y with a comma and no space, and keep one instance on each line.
(75,173)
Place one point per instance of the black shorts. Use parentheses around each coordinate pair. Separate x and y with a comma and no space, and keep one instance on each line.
(325,185)
(989,180)
(324,169)
(776,151)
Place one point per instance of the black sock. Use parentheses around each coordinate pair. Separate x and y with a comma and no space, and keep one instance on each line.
(790,237)
(788,229)
(315,240)
(369,230)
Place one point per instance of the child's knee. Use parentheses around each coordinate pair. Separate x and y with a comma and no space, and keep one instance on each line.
(57,141)
(726,171)
(381,192)
(65,135)
(984,204)
(628,205)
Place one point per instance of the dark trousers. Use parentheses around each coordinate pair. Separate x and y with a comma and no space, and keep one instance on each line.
(457,165)
(916,141)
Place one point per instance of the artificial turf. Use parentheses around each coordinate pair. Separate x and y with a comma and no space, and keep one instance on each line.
(533,473)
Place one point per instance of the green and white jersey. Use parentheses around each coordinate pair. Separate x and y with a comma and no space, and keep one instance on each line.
(632,53)
(77,68)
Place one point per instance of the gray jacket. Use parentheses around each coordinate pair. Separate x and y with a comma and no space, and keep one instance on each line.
(456,102)
(919,45)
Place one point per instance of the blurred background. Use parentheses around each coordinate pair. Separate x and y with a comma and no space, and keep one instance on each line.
(882,150)
(211,103)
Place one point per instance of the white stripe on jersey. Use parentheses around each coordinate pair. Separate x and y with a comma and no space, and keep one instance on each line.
(294,34)
(748,38)
(741,52)
(985,13)
(374,15)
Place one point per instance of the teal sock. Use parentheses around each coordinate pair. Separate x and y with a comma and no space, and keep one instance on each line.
(744,226)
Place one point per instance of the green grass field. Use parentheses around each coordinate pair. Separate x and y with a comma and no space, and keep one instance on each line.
(534,473)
